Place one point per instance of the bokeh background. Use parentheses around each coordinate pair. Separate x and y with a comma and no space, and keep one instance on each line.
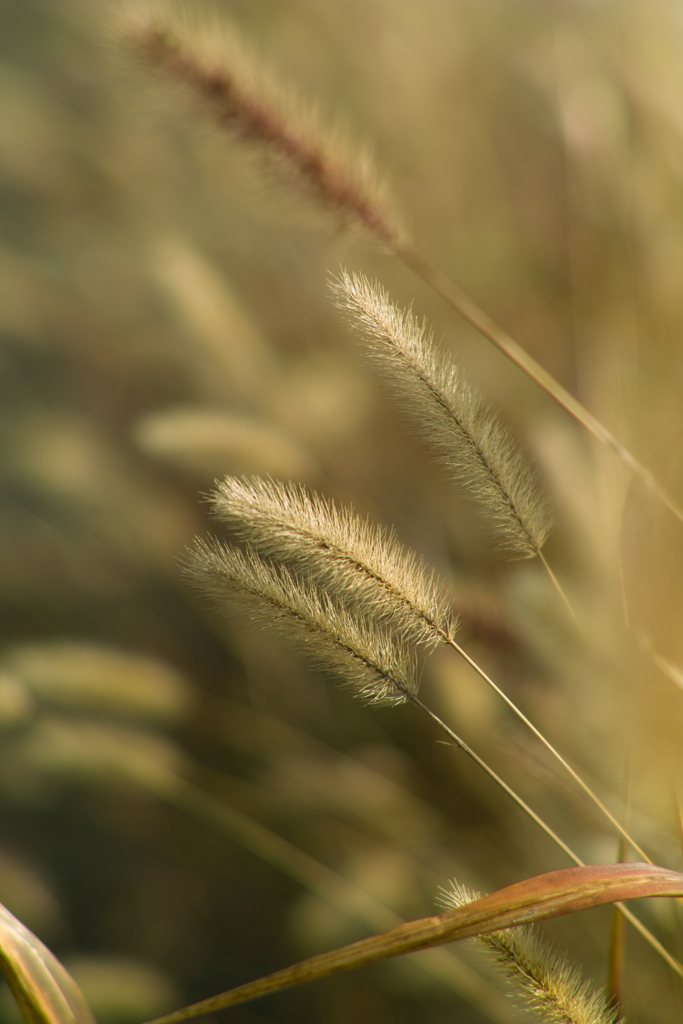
(184,805)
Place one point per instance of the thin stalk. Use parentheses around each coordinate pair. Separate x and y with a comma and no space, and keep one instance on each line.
(469,310)
(649,938)
(496,778)
(616,948)
(679,820)
(630,917)
(548,745)
(560,590)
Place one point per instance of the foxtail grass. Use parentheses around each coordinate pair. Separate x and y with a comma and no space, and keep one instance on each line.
(543,977)
(468,438)
(369,660)
(367,657)
(214,63)
(243,96)
(470,441)
(359,564)
(364,654)
(349,558)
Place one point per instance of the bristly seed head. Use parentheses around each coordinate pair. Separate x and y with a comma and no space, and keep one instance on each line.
(356,562)
(468,439)
(543,977)
(368,659)
(241,94)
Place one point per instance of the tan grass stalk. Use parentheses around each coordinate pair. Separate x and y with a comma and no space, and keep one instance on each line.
(469,440)
(544,978)
(234,86)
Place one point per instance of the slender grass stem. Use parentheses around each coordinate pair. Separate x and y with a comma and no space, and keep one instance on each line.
(616,950)
(548,745)
(650,939)
(560,590)
(456,297)
(496,778)
(630,917)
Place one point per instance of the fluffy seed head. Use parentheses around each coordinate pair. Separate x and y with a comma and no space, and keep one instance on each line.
(468,439)
(351,559)
(368,659)
(241,94)
(544,978)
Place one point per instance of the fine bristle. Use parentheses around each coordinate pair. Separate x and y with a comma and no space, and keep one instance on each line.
(544,978)
(352,559)
(367,658)
(468,439)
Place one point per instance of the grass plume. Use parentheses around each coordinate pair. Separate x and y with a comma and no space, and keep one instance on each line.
(208,442)
(235,87)
(369,660)
(468,439)
(359,563)
(350,557)
(243,96)
(544,978)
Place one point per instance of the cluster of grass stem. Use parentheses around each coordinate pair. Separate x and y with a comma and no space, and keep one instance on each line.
(243,96)
(343,590)
(357,591)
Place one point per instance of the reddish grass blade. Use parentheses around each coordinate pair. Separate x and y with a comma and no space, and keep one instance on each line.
(543,896)
(46,994)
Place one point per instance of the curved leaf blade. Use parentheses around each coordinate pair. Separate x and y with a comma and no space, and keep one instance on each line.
(44,990)
(543,896)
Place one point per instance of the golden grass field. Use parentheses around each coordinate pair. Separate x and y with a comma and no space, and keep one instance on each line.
(185,803)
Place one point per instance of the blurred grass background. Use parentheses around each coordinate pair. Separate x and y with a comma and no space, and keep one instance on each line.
(164,319)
